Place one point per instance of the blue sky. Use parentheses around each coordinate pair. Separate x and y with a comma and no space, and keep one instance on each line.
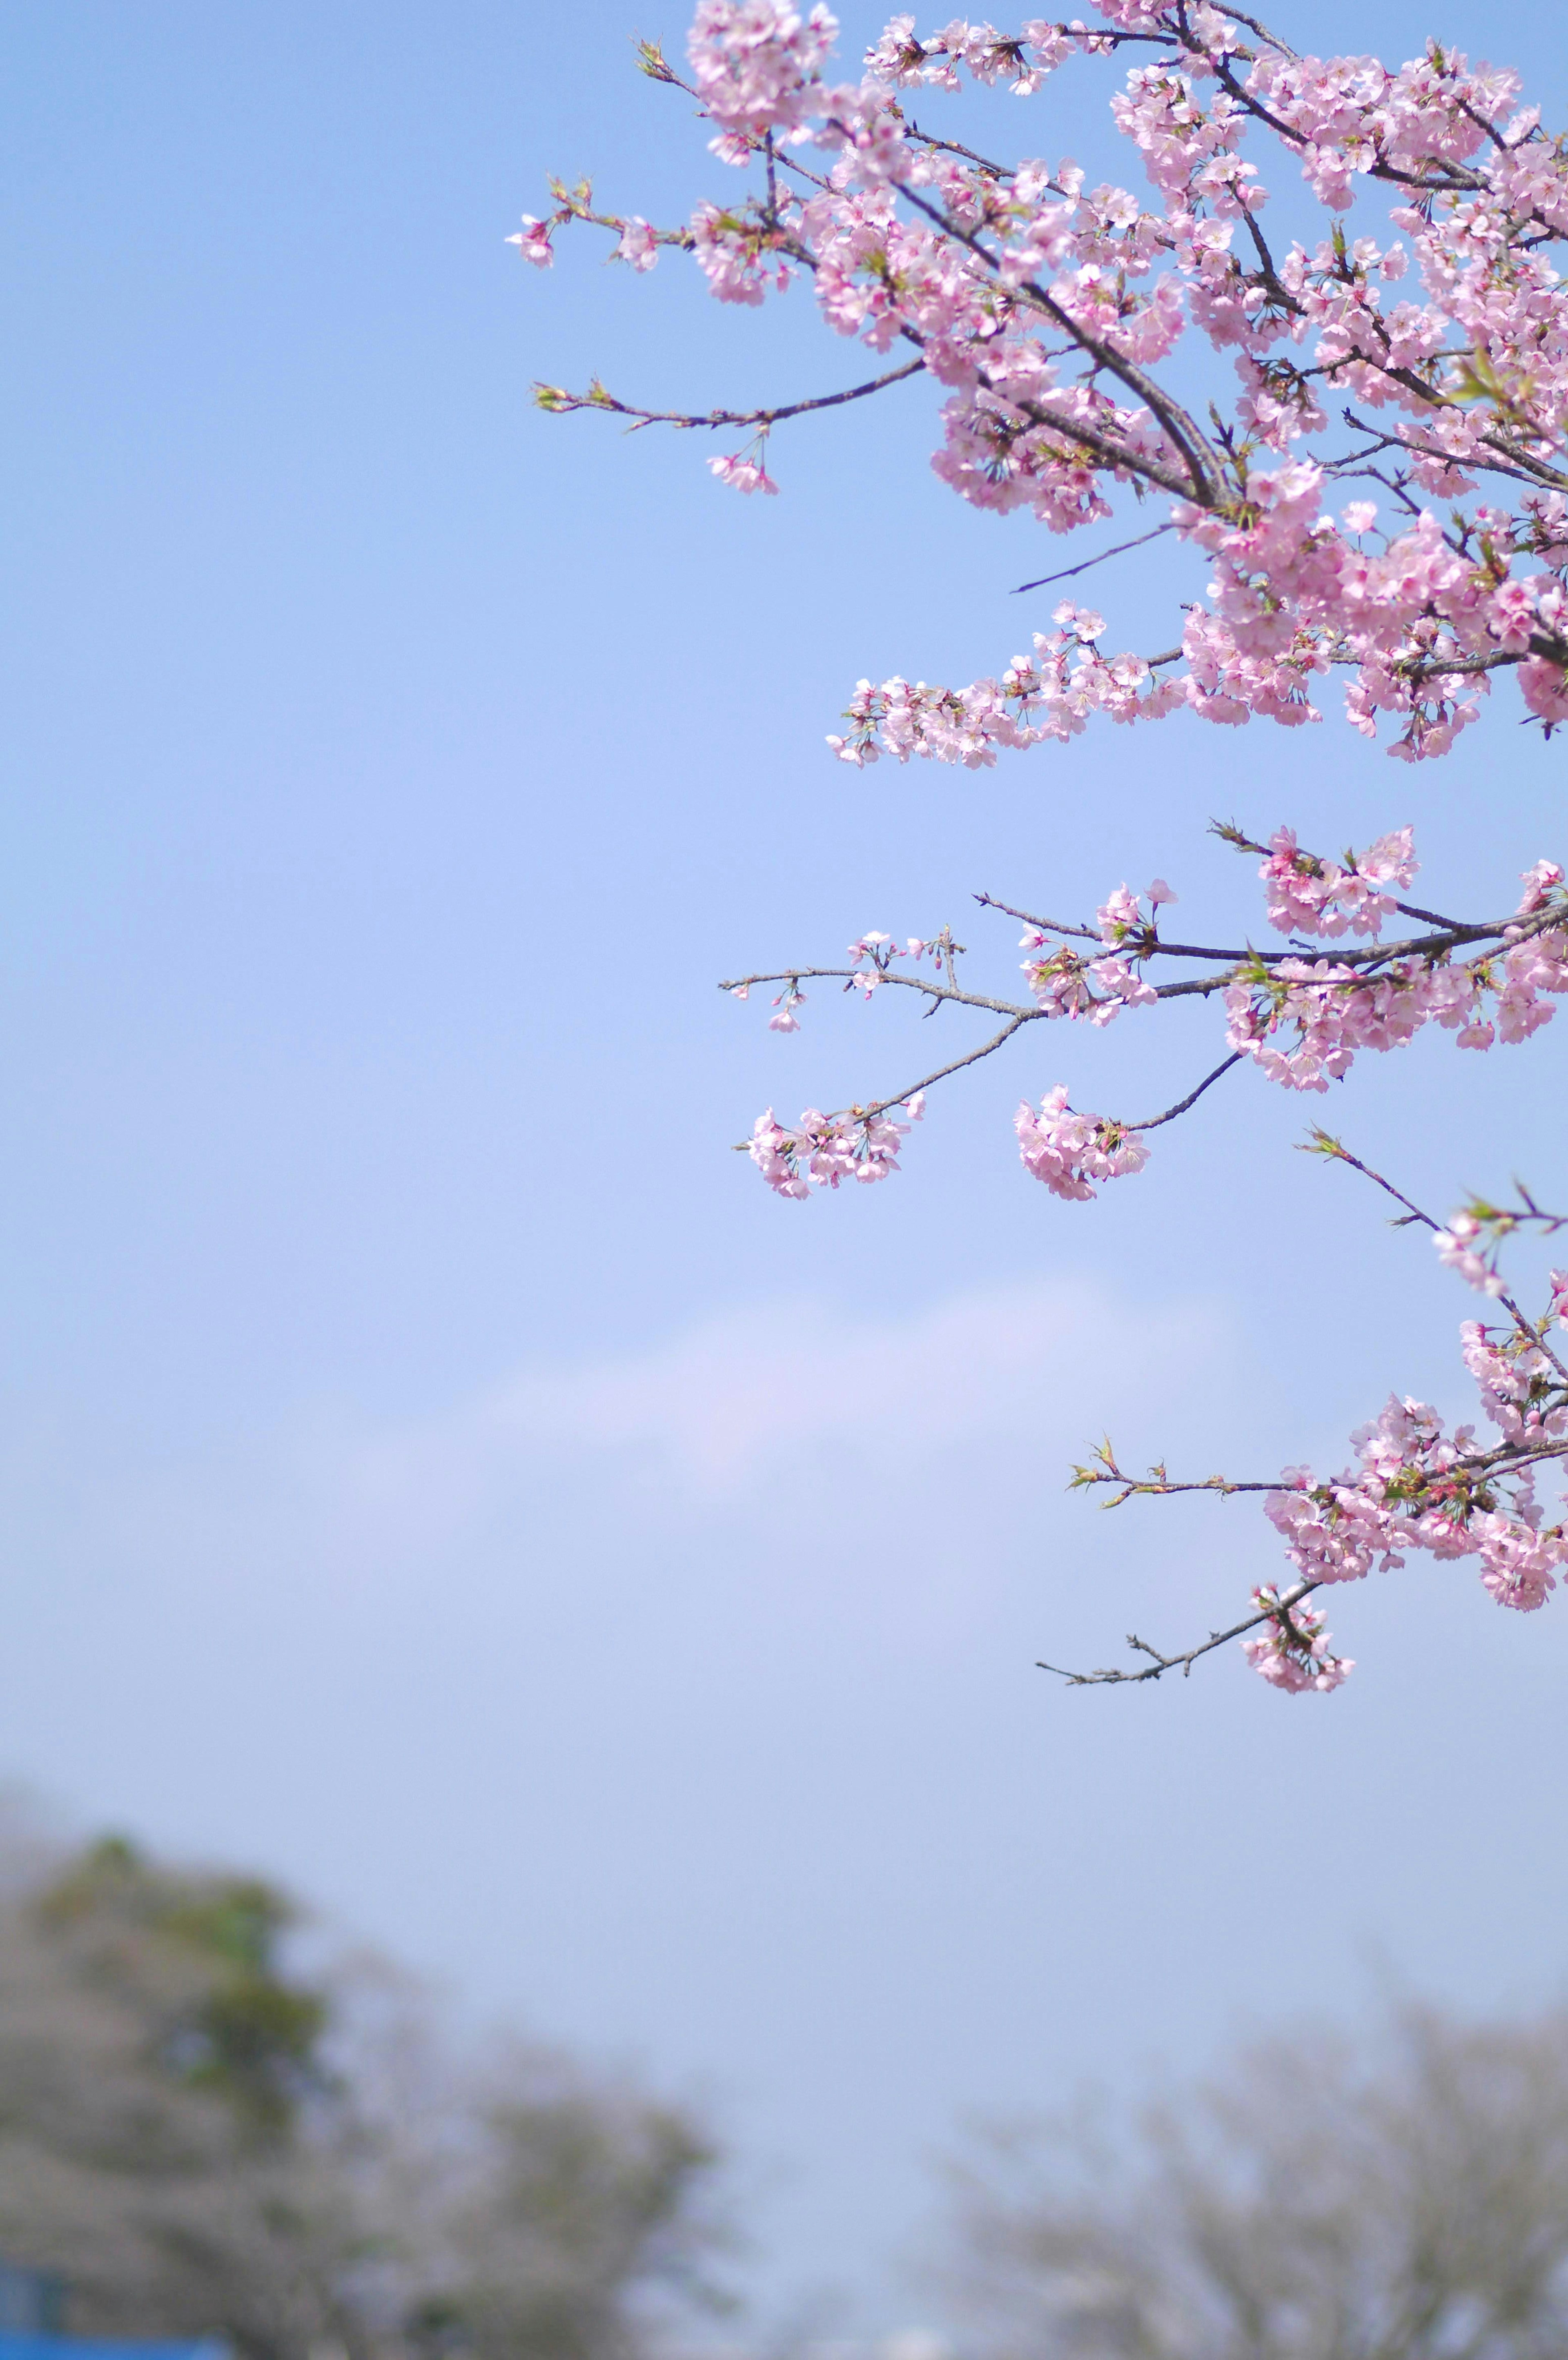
(435,1468)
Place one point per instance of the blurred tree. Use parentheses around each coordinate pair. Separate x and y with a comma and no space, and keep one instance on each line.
(170,2139)
(203,2142)
(579,2216)
(1405,2201)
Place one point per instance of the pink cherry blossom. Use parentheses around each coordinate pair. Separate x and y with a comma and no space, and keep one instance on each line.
(1306,896)
(638,245)
(1293,1651)
(1417,1486)
(743,473)
(533,242)
(755,64)
(822,1149)
(1070,1151)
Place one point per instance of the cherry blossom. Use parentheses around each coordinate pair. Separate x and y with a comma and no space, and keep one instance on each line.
(1292,1651)
(822,1149)
(638,246)
(1307,896)
(746,472)
(1070,1151)
(756,64)
(532,240)
(1313,338)
(1418,1486)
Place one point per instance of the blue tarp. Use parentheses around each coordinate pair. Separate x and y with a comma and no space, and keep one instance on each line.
(82,2347)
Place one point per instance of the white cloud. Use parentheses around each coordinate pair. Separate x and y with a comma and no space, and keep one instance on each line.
(715,1406)
(802,1408)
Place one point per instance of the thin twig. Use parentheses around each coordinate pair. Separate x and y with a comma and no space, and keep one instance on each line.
(556,399)
(1323,1144)
(1190,1099)
(1069,570)
(1023,1016)
(907,982)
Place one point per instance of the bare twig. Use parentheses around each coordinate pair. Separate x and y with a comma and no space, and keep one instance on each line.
(1069,570)
(1023,1016)
(1190,1099)
(556,399)
(1323,1142)
(938,992)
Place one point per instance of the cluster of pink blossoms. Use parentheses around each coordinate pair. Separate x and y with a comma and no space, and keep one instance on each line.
(1308,896)
(824,1148)
(875,953)
(1066,983)
(1070,1151)
(1303,1021)
(1419,1487)
(1426,355)
(757,67)
(1052,694)
(747,472)
(1291,1651)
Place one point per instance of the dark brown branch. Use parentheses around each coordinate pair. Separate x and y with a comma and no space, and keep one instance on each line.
(1042,925)
(1368,954)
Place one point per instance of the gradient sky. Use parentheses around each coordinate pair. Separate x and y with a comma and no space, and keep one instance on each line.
(435,1468)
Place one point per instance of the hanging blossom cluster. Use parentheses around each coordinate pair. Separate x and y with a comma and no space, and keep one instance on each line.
(1416,1485)
(824,1148)
(1420,361)
(1070,1151)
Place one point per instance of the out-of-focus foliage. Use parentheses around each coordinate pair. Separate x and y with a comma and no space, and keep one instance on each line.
(1403,2200)
(573,2195)
(202,2140)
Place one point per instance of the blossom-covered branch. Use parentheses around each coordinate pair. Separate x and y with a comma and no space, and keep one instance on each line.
(1428,354)
(1300,1020)
(1415,1486)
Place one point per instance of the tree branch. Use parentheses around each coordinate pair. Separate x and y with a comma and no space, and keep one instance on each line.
(556,399)
(1183,1663)
(1068,571)
(1190,1099)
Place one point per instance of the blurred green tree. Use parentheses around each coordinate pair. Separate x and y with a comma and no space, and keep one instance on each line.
(203,2140)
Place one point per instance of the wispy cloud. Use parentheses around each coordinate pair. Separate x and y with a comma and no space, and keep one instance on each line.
(714,1407)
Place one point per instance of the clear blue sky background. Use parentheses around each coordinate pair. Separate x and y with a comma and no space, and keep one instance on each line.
(434,1468)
